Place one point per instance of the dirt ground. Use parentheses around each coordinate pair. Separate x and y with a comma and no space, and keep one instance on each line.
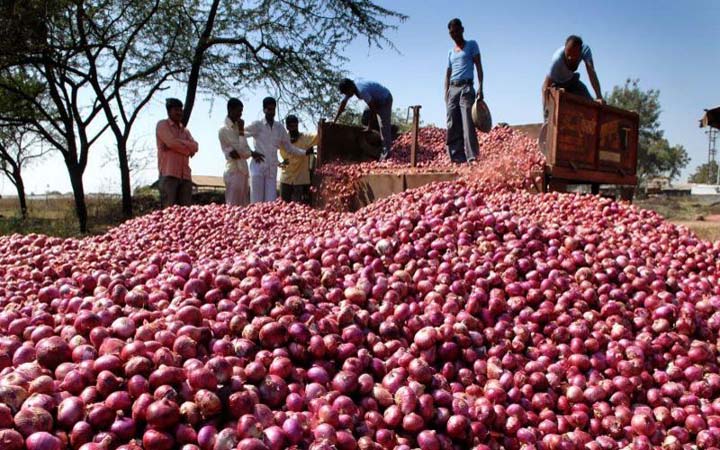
(700,214)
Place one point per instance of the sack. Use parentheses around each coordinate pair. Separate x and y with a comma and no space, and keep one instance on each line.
(481,116)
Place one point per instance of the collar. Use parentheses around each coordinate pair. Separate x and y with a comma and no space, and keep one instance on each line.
(230,124)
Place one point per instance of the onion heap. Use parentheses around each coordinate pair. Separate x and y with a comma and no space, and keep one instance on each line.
(507,158)
(464,314)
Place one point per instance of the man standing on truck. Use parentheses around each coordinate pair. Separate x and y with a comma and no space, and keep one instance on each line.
(563,70)
(460,95)
(269,135)
(175,147)
(295,176)
(379,100)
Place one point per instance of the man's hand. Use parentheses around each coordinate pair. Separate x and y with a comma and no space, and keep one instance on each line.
(241,126)
(234,155)
(258,157)
(284,163)
(480,96)
(600,100)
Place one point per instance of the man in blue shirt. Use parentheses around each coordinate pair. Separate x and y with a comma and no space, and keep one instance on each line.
(563,70)
(378,99)
(460,95)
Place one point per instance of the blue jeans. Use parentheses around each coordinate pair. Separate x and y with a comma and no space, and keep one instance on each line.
(461,138)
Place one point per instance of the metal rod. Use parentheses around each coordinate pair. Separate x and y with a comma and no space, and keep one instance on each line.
(415,134)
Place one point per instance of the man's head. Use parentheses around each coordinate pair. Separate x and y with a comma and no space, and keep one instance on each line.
(455,27)
(174,108)
(347,86)
(234,109)
(269,105)
(573,50)
(292,124)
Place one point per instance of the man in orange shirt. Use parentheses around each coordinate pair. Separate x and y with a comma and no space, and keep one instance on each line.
(175,148)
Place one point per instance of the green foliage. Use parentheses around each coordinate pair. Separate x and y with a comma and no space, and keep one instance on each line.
(655,154)
(705,174)
(400,118)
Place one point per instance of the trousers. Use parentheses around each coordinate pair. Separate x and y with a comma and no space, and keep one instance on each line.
(175,191)
(237,189)
(462,141)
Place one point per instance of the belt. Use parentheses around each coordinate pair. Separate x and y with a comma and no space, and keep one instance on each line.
(461,82)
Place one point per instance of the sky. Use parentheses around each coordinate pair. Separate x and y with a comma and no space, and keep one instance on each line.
(672,46)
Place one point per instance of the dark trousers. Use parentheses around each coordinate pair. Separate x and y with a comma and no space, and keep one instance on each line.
(295,193)
(175,191)
(462,141)
(574,86)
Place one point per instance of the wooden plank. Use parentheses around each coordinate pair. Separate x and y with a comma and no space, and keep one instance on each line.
(585,136)
(581,176)
(414,180)
(576,132)
(373,187)
(618,140)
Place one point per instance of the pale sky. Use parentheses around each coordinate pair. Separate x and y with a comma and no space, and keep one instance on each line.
(669,45)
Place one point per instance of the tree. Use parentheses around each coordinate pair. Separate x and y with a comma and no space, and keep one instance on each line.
(18,147)
(705,174)
(655,154)
(354,116)
(294,49)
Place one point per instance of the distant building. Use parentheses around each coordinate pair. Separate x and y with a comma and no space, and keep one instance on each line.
(704,189)
(203,183)
(657,184)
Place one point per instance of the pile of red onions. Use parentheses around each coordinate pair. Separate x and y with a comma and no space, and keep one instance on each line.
(457,315)
(507,158)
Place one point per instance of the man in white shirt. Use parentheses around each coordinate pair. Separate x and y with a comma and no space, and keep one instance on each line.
(269,135)
(236,151)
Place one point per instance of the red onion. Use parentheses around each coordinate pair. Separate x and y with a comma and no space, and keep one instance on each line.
(11,440)
(157,440)
(162,414)
(208,403)
(70,411)
(43,441)
(52,351)
(81,433)
(33,420)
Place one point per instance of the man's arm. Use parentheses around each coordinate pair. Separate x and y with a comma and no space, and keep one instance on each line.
(232,147)
(249,130)
(478,67)
(447,82)
(546,89)
(594,81)
(174,144)
(343,103)
(289,147)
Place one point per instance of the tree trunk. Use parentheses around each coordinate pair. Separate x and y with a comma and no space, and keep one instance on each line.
(200,49)
(20,187)
(127,206)
(79,194)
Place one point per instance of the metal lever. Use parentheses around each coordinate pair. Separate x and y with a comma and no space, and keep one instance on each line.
(415,134)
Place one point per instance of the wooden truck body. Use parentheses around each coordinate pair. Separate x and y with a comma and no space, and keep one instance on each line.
(585,142)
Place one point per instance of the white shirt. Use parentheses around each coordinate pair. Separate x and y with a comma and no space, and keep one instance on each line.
(268,140)
(230,140)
